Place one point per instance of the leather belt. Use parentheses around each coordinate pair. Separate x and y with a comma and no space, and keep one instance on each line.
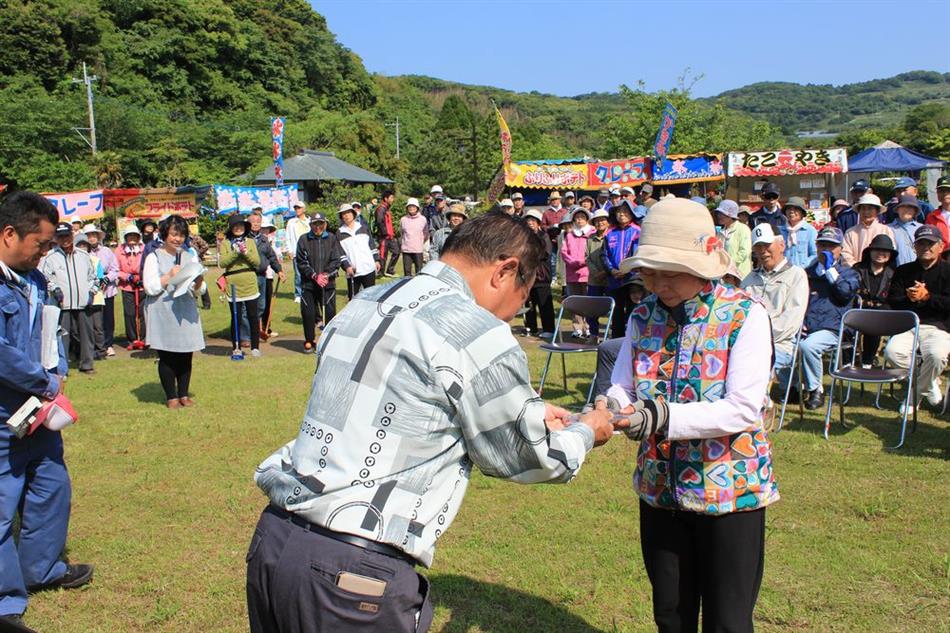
(349,539)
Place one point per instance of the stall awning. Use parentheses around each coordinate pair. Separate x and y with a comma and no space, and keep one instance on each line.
(319,166)
(889,156)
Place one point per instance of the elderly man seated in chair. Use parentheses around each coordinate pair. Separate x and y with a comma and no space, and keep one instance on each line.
(783,288)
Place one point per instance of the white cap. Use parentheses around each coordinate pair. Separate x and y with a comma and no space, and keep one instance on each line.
(91,228)
(299,203)
(344,207)
(763,234)
(267,223)
(436,189)
(507,203)
(615,190)
(411,202)
(534,213)
(626,191)
(599,213)
(356,203)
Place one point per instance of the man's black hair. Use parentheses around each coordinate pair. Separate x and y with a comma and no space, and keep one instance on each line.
(24,210)
(387,193)
(496,236)
(172,222)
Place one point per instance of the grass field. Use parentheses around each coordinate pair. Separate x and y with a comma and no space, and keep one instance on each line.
(164,505)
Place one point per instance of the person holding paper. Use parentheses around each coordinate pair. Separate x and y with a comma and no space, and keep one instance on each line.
(172,321)
(692,376)
(34,482)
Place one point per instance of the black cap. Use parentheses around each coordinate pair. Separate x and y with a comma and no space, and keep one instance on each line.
(943,182)
(928,232)
(603,193)
(770,188)
(860,185)
(317,217)
(64,228)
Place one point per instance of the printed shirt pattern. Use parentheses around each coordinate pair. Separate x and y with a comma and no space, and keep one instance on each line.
(415,384)
(714,475)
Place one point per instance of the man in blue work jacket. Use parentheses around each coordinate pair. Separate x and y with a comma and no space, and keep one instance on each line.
(34,483)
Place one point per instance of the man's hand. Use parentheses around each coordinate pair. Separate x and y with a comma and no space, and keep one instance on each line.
(350,271)
(58,296)
(323,279)
(174,271)
(378,267)
(918,292)
(555,417)
(599,422)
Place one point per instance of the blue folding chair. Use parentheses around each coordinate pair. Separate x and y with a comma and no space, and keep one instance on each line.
(589,308)
(876,323)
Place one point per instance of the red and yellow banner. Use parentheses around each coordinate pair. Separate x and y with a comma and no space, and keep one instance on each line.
(153,203)
(628,171)
(546,176)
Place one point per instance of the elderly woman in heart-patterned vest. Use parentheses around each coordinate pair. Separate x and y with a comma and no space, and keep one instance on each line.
(692,378)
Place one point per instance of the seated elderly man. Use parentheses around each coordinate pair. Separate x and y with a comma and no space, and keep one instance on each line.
(923,286)
(832,286)
(783,288)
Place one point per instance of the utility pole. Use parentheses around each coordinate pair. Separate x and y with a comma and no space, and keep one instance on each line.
(396,125)
(87,80)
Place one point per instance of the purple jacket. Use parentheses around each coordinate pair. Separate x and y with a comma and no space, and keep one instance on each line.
(619,244)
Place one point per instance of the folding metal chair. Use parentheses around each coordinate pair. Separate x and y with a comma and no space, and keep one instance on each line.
(788,387)
(589,308)
(876,323)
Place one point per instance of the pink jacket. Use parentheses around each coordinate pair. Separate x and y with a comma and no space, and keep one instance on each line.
(415,231)
(129,264)
(574,254)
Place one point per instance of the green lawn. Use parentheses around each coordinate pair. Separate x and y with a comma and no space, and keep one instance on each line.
(164,505)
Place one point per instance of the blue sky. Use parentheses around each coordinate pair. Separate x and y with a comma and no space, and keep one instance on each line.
(569,48)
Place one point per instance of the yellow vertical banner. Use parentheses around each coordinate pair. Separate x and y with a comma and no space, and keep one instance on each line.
(505,135)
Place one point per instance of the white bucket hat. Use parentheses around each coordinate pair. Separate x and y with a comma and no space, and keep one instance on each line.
(92,228)
(679,236)
(131,230)
(435,189)
(871,199)
(412,202)
(534,213)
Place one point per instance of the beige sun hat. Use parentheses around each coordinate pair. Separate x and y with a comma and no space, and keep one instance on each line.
(871,199)
(678,235)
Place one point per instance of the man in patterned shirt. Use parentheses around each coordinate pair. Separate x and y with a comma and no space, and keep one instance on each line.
(417,381)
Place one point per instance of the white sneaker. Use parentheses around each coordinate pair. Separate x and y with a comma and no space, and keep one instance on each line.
(256,353)
(110,351)
(910,411)
(273,334)
(934,395)
(296,299)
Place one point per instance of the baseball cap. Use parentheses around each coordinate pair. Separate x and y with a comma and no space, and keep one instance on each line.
(943,182)
(506,203)
(569,194)
(356,203)
(317,217)
(517,196)
(903,183)
(614,191)
(626,191)
(928,232)
(728,208)
(646,188)
(299,203)
(860,185)
(438,196)
(603,193)
(771,189)
(840,202)
(436,189)
(763,233)
(412,202)
(831,234)
(64,228)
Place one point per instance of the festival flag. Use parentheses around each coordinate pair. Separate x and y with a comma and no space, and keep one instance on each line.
(277,146)
(665,134)
(497,186)
(505,138)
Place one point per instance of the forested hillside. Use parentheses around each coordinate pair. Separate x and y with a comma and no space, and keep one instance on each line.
(185,90)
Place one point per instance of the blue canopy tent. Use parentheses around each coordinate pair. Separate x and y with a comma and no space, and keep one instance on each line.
(889,156)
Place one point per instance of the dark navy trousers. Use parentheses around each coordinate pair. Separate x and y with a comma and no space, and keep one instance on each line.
(34,483)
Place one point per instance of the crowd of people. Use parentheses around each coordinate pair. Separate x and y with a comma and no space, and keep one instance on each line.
(801,276)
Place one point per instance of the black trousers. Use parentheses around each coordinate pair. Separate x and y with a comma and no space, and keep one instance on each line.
(292,585)
(410,260)
(98,333)
(134,320)
(618,325)
(389,252)
(316,304)
(108,322)
(78,336)
(174,371)
(358,282)
(253,319)
(607,353)
(694,559)
(540,301)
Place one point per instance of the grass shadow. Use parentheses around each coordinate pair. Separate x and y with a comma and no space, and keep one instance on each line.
(149,393)
(494,608)
(289,345)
